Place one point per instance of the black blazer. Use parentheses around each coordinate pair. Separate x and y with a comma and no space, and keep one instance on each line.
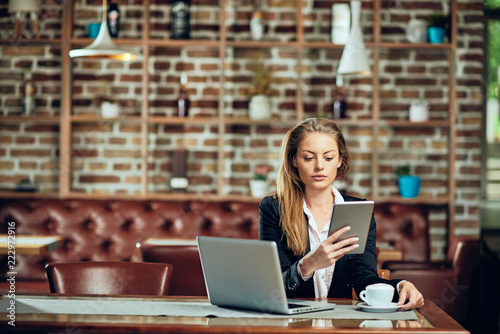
(358,269)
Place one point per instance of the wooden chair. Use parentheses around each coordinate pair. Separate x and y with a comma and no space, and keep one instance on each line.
(109,278)
(382,273)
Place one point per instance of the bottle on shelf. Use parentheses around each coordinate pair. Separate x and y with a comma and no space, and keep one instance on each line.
(183,100)
(341,23)
(113,19)
(179,181)
(256,27)
(339,104)
(180,28)
(29,94)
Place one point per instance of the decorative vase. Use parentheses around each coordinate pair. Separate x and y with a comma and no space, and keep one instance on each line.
(110,110)
(436,34)
(419,111)
(258,188)
(259,107)
(416,31)
(409,186)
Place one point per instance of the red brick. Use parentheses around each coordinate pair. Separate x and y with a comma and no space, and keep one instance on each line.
(4,165)
(121,154)
(99,179)
(27,165)
(122,166)
(30,153)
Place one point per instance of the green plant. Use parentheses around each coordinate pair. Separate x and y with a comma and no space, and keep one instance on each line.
(438,20)
(402,170)
(262,75)
(261,81)
(261,172)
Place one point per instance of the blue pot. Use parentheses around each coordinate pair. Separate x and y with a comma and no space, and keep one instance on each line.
(436,35)
(409,186)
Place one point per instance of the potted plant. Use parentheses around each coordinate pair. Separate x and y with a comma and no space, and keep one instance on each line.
(409,185)
(258,185)
(109,106)
(436,30)
(259,106)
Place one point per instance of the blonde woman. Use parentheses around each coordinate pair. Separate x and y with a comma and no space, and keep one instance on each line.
(297,218)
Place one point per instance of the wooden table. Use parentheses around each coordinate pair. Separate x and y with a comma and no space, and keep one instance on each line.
(28,244)
(431,319)
(170,242)
(389,255)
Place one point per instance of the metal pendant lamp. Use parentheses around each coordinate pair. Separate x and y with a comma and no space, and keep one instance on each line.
(103,46)
(354,59)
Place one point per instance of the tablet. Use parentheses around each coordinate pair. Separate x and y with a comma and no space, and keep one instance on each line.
(358,216)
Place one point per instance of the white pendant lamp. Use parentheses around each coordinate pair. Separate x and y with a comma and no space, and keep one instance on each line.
(103,46)
(354,59)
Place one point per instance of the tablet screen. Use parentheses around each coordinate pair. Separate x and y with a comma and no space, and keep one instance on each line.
(358,216)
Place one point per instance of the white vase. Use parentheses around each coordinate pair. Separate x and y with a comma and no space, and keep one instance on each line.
(259,107)
(258,188)
(110,110)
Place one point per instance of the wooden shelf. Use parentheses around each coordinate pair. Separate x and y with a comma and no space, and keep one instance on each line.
(25,194)
(79,41)
(25,41)
(192,196)
(176,196)
(261,44)
(152,42)
(182,120)
(407,123)
(416,200)
(183,43)
(392,45)
(30,119)
(97,118)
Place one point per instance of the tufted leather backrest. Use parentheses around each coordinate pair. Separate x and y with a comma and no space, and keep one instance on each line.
(95,230)
(406,227)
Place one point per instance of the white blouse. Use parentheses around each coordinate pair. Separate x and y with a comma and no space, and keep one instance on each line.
(322,277)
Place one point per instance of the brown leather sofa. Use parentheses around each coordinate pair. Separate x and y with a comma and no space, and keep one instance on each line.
(94,230)
(109,230)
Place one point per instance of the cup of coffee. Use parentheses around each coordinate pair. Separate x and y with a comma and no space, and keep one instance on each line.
(378,295)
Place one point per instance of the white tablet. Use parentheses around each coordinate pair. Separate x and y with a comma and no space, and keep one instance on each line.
(357,215)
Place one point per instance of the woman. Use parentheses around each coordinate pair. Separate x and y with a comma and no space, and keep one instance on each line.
(297,218)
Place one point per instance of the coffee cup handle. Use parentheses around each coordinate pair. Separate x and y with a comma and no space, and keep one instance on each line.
(362,295)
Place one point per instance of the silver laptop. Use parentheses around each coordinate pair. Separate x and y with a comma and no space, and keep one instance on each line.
(246,274)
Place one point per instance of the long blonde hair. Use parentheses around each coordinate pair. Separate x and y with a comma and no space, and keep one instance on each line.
(290,188)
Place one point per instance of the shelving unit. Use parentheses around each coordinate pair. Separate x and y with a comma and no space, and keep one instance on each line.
(218,119)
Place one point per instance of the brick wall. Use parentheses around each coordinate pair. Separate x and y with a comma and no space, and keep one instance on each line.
(106,156)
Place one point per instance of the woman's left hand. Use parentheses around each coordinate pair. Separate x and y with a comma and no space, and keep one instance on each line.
(409,296)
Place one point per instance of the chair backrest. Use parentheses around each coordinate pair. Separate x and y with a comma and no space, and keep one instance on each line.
(187,279)
(109,278)
(382,273)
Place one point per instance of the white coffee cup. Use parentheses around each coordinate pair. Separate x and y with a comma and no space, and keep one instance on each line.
(378,295)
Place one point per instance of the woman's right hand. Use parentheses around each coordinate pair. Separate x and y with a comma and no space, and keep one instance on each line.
(328,252)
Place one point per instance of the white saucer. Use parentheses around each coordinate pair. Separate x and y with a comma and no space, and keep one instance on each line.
(393,307)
